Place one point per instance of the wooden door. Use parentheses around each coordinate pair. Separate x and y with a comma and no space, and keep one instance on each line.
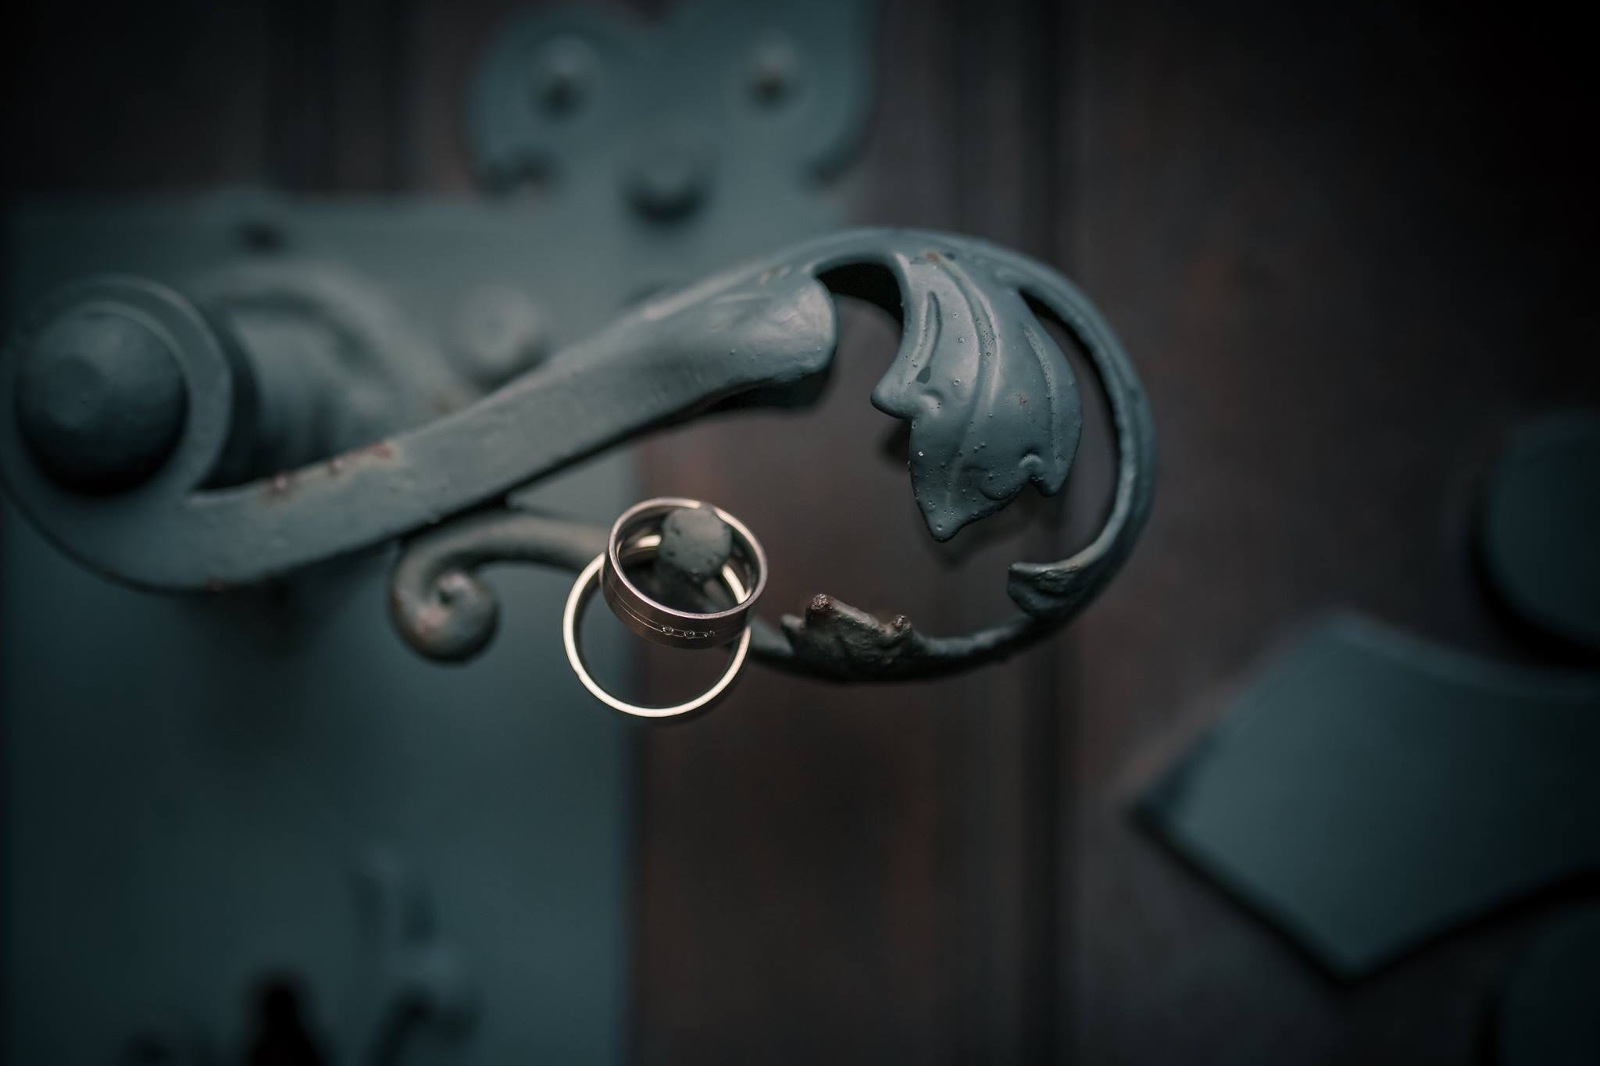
(1345,246)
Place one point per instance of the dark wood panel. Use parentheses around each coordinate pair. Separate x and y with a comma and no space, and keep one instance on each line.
(869,874)
(1347,247)
(119,96)
(183,95)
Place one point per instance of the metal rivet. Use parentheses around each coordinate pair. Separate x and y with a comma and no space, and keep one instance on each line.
(670,175)
(774,73)
(564,77)
(499,333)
(262,235)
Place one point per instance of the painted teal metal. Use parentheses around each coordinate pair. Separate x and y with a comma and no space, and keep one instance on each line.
(991,402)
(723,108)
(990,399)
(208,795)
(1370,790)
(237,820)
(1539,524)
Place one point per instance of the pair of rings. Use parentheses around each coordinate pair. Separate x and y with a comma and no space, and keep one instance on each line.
(636,537)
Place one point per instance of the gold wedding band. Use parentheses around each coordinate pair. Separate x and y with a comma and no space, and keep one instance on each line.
(636,537)
(662,623)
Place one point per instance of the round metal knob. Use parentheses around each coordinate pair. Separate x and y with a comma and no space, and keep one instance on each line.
(695,543)
(100,399)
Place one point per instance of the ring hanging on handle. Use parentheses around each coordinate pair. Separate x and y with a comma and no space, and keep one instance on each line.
(640,527)
(578,599)
(636,536)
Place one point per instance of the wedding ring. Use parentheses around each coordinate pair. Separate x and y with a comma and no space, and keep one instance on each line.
(636,537)
(661,623)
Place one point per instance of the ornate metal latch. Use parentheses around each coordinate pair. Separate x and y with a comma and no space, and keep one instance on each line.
(133,430)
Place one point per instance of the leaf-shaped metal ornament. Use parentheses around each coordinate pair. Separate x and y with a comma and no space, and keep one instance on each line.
(990,397)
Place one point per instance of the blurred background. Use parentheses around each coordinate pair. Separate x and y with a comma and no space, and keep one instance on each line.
(1349,248)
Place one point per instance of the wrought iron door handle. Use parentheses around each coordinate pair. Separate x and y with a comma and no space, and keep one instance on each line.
(139,477)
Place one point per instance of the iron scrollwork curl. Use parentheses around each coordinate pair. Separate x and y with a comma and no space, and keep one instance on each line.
(990,398)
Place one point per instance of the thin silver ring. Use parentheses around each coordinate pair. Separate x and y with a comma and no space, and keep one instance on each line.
(583,589)
(662,623)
